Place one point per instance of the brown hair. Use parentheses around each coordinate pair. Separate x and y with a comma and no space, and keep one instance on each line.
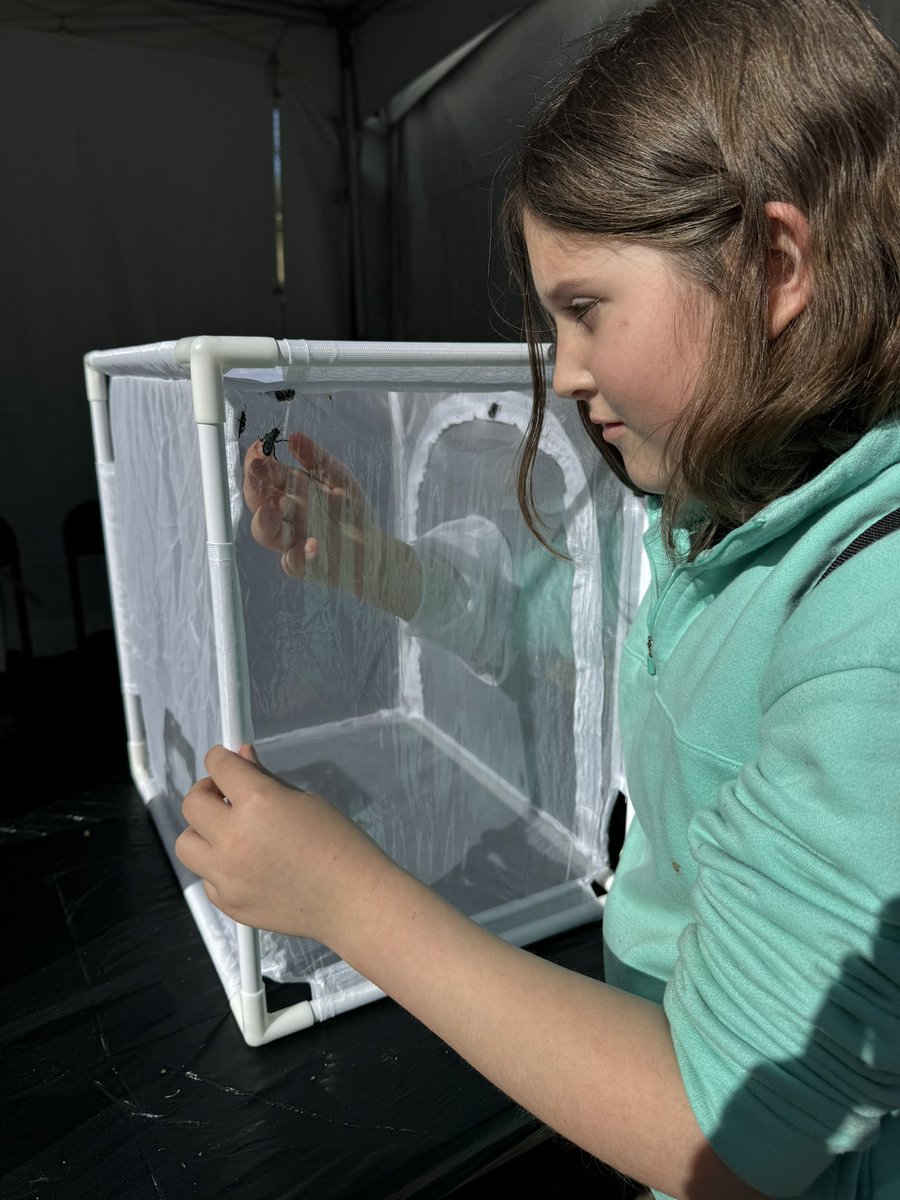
(674,129)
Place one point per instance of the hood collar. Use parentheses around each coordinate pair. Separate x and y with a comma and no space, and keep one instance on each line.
(873,453)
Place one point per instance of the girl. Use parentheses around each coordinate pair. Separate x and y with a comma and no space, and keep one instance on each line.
(706,213)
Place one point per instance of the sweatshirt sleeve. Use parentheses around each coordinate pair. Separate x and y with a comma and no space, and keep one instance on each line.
(468,592)
(785,1002)
(488,605)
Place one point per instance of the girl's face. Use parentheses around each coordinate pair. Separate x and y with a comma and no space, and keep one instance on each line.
(631,338)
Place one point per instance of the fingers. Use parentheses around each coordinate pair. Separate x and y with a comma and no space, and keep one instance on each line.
(279,498)
(317,530)
(203,807)
(236,776)
(281,519)
(270,527)
(327,470)
(338,558)
(345,556)
(263,477)
(314,515)
(193,851)
(248,752)
(297,557)
(205,799)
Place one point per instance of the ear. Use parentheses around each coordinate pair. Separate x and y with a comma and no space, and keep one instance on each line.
(789,274)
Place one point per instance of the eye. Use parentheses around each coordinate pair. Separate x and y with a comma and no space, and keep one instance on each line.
(580,309)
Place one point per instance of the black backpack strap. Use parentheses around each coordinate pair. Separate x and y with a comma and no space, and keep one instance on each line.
(886,524)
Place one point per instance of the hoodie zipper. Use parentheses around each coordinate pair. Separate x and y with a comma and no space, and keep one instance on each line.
(651,620)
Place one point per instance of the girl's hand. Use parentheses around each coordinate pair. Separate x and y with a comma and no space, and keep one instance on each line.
(275,857)
(317,517)
(280,859)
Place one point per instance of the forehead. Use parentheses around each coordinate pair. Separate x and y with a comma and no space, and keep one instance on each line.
(551,249)
(566,263)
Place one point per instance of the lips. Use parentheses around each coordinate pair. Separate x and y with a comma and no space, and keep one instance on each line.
(611,430)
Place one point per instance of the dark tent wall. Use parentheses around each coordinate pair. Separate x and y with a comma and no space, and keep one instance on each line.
(132,178)
(139,205)
(449,152)
(317,297)
(139,202)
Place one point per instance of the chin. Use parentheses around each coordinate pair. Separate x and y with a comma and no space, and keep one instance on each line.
(649,482)
(646,466)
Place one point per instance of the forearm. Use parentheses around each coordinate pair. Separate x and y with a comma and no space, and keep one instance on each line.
(592,1062)
(394,582)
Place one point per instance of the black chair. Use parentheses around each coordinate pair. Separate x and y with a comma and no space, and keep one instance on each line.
(82,538)
(10,564)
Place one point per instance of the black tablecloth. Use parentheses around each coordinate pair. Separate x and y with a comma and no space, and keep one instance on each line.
(124,1073)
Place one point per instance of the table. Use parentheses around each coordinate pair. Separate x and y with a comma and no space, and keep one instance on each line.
(124,1074)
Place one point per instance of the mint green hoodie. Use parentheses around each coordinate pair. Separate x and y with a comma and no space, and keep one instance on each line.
(758,892)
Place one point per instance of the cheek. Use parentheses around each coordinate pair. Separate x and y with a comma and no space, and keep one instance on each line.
(664,376)
(642,380)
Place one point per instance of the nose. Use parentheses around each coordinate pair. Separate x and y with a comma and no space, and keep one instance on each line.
(572,378)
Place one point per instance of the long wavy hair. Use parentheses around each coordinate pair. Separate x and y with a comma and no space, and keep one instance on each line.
(673,130)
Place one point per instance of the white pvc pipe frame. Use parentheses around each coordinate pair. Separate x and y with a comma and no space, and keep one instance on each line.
(208,358)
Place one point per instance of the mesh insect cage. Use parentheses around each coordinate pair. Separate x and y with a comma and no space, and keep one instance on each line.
(473,735)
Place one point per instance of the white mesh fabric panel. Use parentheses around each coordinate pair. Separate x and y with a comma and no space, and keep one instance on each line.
(477,742)
(164,565)
(567,683)
(492,782)
(125,642)
(316,656)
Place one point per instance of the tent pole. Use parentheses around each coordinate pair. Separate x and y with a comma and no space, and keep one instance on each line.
(399,244)
(350,119)
(278,189)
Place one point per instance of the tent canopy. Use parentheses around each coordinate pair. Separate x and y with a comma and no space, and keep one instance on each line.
(387,43)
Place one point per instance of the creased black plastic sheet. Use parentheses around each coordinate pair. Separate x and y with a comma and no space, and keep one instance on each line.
(124,1074)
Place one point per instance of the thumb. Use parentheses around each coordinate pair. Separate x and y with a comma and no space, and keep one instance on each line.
(324,467)
(248,753)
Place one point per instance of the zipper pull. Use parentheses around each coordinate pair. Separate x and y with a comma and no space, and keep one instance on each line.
(651,665)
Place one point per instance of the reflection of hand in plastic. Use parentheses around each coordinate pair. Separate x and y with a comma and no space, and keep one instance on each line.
(316,516)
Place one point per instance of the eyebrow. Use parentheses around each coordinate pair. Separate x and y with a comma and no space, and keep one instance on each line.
(569,287)
(564,289)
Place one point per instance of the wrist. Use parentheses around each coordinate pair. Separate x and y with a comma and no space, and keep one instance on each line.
(395,583)
(361,920)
